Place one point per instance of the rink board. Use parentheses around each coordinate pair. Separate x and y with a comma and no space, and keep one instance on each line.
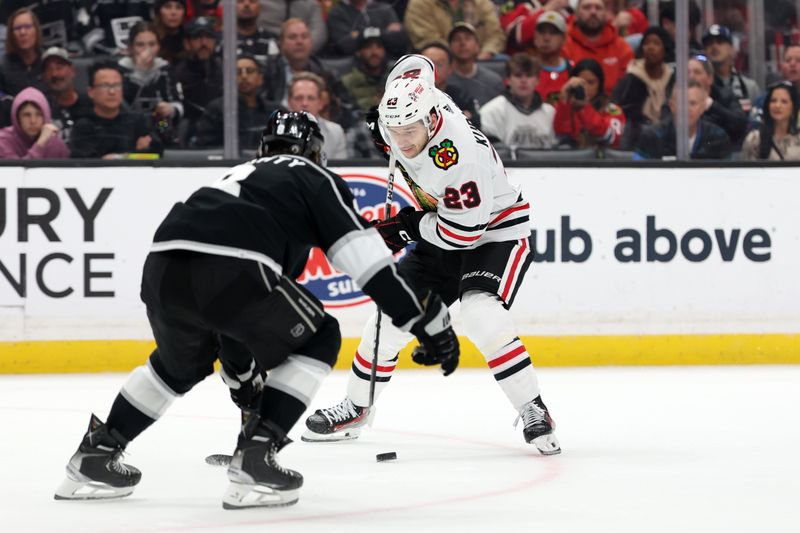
(633,266)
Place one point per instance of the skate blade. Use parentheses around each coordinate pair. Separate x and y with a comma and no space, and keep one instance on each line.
(71,489)
(246,496)
(347,434)
(547,444)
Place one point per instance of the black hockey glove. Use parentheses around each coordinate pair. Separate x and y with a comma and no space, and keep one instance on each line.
(245,388)
(400,230)
(377,139)
(436,336)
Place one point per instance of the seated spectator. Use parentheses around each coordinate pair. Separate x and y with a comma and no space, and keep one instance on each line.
(168,18)
(430,20)
(366,80)
(200,74)
(592,36)
(252,39)
(111,23)
(109,131)
(348,19)
(274,14)
(295,46)
(718,44)
(706,140)
(583,113)
(67,104)
(549,42)
(22,64)
(789,71)
(477,81)
(296,56)
(778,136)
(722,107)
(305,94)
(642,93)
(440,54)
(149,85)
(57,21)
(666,19)
(518,118)
(253,109)
(31,135)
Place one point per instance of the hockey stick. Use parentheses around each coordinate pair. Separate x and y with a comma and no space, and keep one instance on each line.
(386,212)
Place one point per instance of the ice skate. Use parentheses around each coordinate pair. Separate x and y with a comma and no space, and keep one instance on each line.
(343,421)
(257,480)
(538,427)
(95,471)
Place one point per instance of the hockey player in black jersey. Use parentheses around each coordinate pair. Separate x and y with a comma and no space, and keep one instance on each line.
(221,270)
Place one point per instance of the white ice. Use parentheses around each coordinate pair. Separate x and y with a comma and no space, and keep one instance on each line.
(700,449)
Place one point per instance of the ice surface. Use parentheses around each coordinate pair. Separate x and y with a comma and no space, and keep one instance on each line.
(700,449)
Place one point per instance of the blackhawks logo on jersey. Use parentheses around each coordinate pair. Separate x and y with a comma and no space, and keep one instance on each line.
(445,155)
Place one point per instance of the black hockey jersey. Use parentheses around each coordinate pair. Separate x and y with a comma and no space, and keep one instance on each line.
(273,210)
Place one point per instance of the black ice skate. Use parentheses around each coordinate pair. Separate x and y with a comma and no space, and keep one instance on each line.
(538,427)
(343,421)
(95,471)
(257,480)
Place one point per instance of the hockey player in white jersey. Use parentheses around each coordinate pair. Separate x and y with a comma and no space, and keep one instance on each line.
(473,245)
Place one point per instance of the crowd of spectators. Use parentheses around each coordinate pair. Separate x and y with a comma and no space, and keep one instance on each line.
(111,78)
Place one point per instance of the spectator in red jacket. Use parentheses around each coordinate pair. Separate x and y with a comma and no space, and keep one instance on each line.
(584,116)
(591,36)
(549,41)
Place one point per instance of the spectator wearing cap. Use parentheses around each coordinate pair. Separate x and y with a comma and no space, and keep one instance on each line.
(721,107)
(110,23)
(252,39)
(666,19)
(777,137)
(348,19)
(477,81)
(254,109)
(150,87)
(592,36)
(200,74)
(518,118)
(548,42)
(274,13)
(442,58)
(706,140)
(109,130)
(305,94)
(22,64)
(168,18)
(642,92)
(430,20)
(718,45)
(31,135)
(66,103)
(366,80)
(584,115)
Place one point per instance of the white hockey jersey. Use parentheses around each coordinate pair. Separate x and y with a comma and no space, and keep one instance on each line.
(459,178)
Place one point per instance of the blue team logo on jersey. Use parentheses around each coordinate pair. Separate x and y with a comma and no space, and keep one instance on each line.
(333,288)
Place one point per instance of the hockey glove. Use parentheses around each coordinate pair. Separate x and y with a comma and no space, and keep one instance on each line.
(400,230)
(245,388)
(436,336)
(377,139)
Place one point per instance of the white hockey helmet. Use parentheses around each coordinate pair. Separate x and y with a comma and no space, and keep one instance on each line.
(408,100)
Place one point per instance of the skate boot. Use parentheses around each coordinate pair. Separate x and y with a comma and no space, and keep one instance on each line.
(95,471)
(257,480)
(538,427)
(343,421)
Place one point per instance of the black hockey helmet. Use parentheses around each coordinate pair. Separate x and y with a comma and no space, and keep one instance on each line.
(295,133)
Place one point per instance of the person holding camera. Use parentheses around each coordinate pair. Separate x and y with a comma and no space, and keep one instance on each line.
(584,116)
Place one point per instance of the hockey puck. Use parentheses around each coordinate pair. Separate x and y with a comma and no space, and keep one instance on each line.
(218,459)
(388,456)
